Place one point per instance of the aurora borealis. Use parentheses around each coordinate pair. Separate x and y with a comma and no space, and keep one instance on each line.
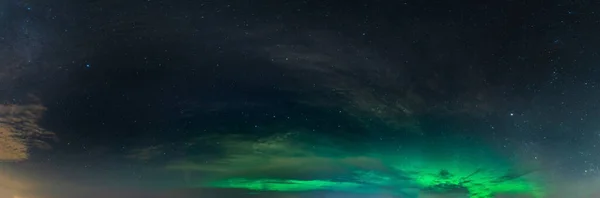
(299,99)
(440,168)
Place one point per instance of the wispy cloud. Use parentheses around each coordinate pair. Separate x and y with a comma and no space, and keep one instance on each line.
(19,131)
(362,76)
(334,70)
(277,156)
(12,147)
(146,153)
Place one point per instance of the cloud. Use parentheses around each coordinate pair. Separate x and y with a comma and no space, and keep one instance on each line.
(146,153)
(330,69)
(359,75)
(19,131)
(12,148)
(277,156)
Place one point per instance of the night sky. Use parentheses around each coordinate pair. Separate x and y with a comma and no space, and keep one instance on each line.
(291,98)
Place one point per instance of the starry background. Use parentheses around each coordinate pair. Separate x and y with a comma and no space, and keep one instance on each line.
(144,97)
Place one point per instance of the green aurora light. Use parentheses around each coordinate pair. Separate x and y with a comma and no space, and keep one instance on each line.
(426,166)
(484,186)
(479,181)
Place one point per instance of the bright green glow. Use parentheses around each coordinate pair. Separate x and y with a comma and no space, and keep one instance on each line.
(473,169)
(446,166)
(286,185)
(479,183)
